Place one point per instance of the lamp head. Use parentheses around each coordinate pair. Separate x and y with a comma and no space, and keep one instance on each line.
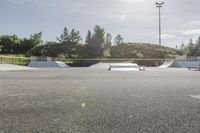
(160,3)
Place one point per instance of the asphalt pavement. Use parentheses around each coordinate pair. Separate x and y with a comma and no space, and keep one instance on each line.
(89,100)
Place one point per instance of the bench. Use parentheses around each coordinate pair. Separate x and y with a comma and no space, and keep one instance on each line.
(194,67)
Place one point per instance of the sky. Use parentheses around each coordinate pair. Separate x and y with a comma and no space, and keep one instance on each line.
(135,20)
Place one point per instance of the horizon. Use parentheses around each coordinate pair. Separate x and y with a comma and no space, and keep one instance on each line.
(179,21)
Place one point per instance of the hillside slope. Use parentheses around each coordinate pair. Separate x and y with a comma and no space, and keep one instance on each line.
(141,50)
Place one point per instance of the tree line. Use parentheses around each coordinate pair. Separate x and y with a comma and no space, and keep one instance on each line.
(11,44)
(192,49)
(69,44)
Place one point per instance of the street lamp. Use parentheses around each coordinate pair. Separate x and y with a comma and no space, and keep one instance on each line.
(159,5)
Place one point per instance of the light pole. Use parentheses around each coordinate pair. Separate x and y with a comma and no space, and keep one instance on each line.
(159,5)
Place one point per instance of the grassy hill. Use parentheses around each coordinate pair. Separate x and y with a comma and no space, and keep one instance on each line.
(141,51)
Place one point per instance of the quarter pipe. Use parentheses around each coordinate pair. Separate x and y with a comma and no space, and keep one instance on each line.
(50,64)
(179,63)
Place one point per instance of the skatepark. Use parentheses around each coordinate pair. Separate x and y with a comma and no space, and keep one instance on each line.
(93,66)
(120,66)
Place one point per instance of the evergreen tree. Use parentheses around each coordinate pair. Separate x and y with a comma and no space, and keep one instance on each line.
(190,51)
(88,37)
(182,49)
(108,40)
(68,42)
(197,47)
(95,42)
(70,37)
(99,36)
(118,40)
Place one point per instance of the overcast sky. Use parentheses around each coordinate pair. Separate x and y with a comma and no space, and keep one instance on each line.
(135,20)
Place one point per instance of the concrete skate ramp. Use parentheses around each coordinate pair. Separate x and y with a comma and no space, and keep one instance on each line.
(179,64)
(10,67)
(117,66)
(101,65)
(186,64)
(167,63)
(47,64)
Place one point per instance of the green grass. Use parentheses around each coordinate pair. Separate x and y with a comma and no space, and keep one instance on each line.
(12,55)
(14,60)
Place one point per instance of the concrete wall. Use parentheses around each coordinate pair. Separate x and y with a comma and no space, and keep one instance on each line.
(43,64)
(186,63)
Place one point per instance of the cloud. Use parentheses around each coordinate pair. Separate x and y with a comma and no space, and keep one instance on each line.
(167,36)
(192,32)
(195,22)
(122,17)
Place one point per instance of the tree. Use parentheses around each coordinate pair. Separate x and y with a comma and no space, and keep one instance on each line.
(191,51)
(7,42)
(95,42)
(70,37)
(48,49)
(118,40)
(182,49)
(13,44)
(88,37)
(197,47)
(69,41)
(29,43)
(108,41)
(36,39)
(99,36)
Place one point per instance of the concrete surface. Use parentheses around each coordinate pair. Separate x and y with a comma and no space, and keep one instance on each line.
(11,67)
(47,64)
(87,100)
(180,64)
